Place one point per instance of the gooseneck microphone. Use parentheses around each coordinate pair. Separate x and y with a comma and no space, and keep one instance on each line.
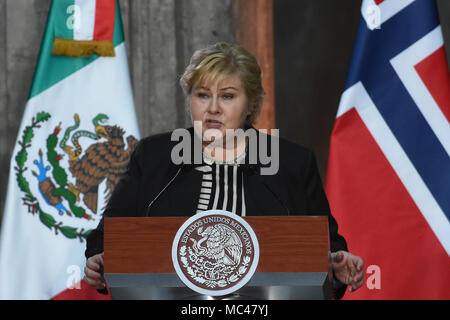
(254,170)
(162,191)
(278,198)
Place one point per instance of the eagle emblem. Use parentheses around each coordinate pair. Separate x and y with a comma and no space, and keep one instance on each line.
(69,168)
(222,244)
(106,160)
(215,252)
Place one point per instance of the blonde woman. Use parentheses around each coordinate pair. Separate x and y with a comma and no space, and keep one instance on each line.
(224,93)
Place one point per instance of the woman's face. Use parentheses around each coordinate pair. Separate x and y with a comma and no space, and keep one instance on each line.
(219,106)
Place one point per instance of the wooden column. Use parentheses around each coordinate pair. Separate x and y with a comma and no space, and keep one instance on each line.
(254,31)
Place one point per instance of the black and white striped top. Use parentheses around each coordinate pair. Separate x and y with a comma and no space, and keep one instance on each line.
(222,187)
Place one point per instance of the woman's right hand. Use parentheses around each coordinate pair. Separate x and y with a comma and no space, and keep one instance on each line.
(92,272)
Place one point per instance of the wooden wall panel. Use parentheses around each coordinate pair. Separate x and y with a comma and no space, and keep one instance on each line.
(199,23)
(22,26)
(161,36)
(153,63)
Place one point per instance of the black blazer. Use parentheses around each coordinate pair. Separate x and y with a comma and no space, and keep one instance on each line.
(295,190)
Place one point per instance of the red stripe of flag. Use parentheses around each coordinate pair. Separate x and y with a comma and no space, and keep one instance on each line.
(82,291)
(380,220)
(377,2)
(105,14)
(434,73)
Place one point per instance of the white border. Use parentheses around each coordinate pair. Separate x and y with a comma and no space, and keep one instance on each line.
(86,13)
(188,282)
(387,9)
(404,64)
(357,97)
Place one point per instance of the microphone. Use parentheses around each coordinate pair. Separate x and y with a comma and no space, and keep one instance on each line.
(163,189)
(253,169)
(277,197)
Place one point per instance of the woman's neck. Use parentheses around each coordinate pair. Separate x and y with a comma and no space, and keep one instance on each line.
(226,152)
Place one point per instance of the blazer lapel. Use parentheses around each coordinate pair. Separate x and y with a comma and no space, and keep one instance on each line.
(264,193)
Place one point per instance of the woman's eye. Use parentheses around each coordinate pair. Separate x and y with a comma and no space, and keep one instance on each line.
(228,96)
(202,95)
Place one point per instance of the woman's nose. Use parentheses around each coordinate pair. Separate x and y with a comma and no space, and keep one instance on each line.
(214,105)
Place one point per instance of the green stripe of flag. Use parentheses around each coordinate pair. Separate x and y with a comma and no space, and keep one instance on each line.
(50,68)
(61,17)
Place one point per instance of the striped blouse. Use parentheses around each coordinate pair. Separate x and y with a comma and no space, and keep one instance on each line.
(222,186)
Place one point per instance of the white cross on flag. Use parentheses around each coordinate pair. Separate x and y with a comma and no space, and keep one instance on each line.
(389,166)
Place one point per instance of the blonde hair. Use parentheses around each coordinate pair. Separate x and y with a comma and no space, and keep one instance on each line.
(224,59)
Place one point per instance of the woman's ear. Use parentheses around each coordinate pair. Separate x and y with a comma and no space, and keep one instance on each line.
(249,109)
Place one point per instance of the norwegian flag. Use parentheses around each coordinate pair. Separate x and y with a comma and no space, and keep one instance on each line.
(388,177)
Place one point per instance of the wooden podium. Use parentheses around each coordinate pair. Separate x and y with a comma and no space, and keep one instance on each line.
(293,263)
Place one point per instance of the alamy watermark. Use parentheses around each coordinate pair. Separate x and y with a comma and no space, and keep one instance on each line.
(73,281)
(73,22)
(373,281)
(262,148)
(373,17)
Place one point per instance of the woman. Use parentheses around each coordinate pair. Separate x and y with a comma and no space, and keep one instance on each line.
(223,90)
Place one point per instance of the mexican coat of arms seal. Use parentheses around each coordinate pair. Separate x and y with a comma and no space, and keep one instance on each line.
(215,252)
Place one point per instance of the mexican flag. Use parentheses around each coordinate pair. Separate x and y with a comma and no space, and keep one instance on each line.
(77,133)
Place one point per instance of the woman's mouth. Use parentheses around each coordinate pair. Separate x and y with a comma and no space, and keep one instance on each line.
(213,124)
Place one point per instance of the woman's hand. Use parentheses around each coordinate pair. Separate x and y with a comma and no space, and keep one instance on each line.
(92,274)
(348,269)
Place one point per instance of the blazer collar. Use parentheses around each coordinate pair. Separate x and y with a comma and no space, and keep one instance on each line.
(253,166)
(257,183)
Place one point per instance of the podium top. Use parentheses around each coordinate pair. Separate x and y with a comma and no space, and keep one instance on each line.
(287,244)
